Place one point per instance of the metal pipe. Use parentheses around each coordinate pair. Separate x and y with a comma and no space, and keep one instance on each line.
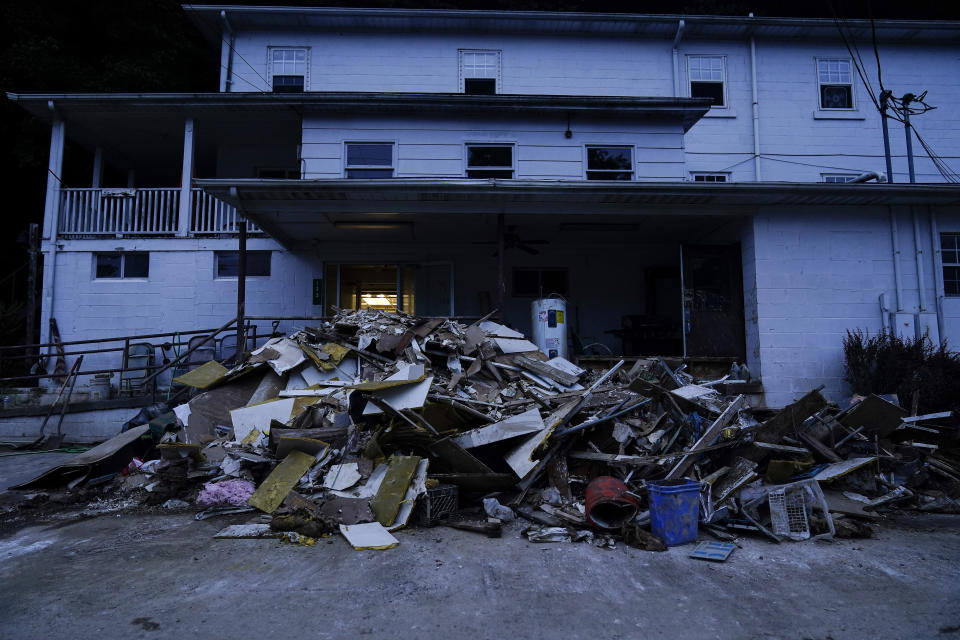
(921,284)
(897,277)
(939,292)
(228,81)
(756,109)
(908,130)
(676,58)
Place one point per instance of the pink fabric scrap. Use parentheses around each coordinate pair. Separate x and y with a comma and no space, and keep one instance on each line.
(234,492)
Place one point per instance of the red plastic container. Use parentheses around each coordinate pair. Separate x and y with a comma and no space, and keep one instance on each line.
(608,503)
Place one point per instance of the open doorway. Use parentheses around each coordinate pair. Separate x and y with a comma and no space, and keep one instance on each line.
(424,289)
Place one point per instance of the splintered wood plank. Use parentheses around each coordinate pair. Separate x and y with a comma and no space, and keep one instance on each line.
(386,504)
(708,438)
(281,480)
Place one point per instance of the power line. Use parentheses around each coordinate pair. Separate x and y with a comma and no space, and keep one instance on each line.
(226,42)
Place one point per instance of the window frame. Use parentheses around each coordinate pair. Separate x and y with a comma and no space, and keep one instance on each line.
(463,77)
(954,264)
(710,174)
(216,264)
(513,159)
(306,65)
(722,82)
(826,178)
(123,266)
(586,161)
(820,84)
(362,167)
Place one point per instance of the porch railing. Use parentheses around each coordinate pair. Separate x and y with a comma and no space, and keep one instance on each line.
(143,212)
(150,211)
(212,216)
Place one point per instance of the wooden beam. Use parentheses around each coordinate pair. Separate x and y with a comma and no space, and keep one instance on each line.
(707,439)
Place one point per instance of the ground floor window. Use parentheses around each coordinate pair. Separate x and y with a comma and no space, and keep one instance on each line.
(950,259)
(228,264)
(133,264)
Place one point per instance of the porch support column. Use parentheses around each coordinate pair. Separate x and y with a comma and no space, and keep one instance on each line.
(501,277)
(186,177)
(97,179)
(51,221)
(241,276)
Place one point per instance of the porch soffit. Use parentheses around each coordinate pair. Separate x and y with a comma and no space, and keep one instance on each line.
(298,210)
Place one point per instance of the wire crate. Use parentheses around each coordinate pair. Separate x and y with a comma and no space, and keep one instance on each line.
(788,513)
(439,502)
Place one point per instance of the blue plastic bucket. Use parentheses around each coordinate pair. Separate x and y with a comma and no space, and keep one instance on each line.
(674,510)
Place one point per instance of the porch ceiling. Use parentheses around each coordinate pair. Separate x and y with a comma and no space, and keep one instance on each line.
(300,211)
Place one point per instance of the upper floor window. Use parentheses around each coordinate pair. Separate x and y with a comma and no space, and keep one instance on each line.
(950,259)
(288,69)
(369,160)
(835,80)
(479,71)
(707,78)
(700,176)
(838,178)
(489,161)
(609,163)
(228,264)
(133,264)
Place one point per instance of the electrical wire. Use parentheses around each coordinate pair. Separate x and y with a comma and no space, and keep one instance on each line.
(226,42)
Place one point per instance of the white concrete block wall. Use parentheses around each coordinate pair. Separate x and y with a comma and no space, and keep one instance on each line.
(436,147)
(821,273)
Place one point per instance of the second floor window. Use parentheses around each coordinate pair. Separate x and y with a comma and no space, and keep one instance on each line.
(288,70)
(836,83)
(479,71)
(950,259)
(489,161)
(367,160)
(699,176)
(838,178)
(706,78)
(609,163)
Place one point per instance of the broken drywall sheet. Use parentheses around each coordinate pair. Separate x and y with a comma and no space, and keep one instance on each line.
(417,488)
(258,416)
(342,476)
(281,480)
(406,389)
(498,330)
(370,535)
(515,345)
(527,422)
(368,489)
(282,354)
(840,469)
(204,376)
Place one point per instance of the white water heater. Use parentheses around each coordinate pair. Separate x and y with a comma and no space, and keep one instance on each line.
(549,321)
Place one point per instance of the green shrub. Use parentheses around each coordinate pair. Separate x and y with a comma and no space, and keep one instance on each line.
(887,363)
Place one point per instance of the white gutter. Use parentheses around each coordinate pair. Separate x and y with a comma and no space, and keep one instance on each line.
(937,268)
(897,277)
(921,285)
(228,81)
(676,58)
(756,108)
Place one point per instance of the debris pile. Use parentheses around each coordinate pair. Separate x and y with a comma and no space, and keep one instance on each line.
(376,421)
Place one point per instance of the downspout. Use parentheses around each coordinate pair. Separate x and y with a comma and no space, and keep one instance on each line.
(937,268)
(676,58)
(921,288)
(756,108)
(897,277)
(233,39)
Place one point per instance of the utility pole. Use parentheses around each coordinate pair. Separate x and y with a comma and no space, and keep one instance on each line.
(884,97)
(907,99)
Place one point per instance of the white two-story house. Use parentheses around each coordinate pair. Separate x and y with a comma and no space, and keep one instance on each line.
(683,182)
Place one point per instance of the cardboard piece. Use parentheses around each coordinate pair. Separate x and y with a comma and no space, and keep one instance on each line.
(281,480)
(371,535)
(258,416)
(527,422)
